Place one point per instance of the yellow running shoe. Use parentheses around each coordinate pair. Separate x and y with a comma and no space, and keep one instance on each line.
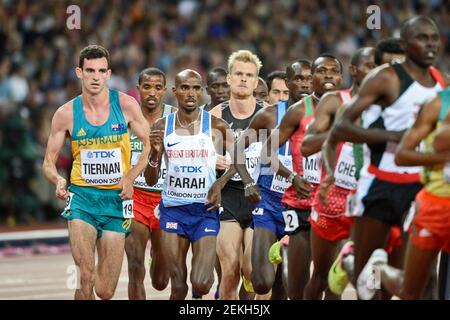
(248,286)
(337,276)
(275,253)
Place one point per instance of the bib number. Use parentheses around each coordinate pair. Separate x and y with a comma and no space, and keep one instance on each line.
(290,220)
(345,172)
(312,168)
(127,208)
(68,201)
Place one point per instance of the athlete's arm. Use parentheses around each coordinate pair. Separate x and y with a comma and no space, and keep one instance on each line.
(156,151)
(323,119)
(407,154)
(278,137)
(139,125)
(62,119)
(262,120)
(442,139)
(375,88)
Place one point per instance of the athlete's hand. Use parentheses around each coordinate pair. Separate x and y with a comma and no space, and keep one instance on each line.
(61,191)
(302,187)
(325,187)
(252,192)
(214,196)
(127,189)
(223,162)
(156,141)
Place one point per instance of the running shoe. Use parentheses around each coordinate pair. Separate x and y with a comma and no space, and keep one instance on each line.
(275,250)
(248,286)
(337,276)
(366,291)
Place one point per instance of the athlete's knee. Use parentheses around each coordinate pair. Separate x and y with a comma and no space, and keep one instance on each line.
(179,290)
(104,293)
(202,286)
(410,295)
(320,280)
(160,282)
(136,269)
(87,278)
(263,280)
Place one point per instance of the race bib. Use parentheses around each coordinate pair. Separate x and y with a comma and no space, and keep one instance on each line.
(139,182)
(312,168)
(252,161)
(345,171)
(279,183)
(68,201)
(101,166)
(290,220)
(190,182)
(447,172)
(127,207)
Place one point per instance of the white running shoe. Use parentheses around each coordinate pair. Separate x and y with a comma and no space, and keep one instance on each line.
(366,284)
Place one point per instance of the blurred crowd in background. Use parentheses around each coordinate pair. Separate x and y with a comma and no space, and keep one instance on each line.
(38,54)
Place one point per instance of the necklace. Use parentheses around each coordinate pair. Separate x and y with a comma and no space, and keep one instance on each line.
(189,124)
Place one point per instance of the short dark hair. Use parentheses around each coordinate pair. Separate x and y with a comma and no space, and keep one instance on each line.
(389,45)
(93,51)
(152,72)
(215,71)
(290,70)
(277,74)
(326,55)
(355,60)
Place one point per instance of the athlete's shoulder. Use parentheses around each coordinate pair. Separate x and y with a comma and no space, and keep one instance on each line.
(159,124)
(127,101)
(217,110)
(218,123)
(65,112)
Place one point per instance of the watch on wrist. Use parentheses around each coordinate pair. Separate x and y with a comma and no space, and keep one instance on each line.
(291,177)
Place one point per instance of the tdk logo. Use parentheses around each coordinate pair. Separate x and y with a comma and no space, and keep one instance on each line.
(188,169)
(101,154)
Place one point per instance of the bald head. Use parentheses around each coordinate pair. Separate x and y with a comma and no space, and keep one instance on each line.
(413,25)
(186,74)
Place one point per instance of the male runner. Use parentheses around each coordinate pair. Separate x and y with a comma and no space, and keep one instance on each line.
(152,88)
(385,190)
(190,139)
(99,200)
(216,87)
(276,83)
(262,91)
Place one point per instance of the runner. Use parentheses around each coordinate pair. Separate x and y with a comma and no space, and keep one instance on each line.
(216,87)
(152,88)
(99,201)
(276,83)
(261,92)
(189,139)
(296,200)
(385,190)
(328,222)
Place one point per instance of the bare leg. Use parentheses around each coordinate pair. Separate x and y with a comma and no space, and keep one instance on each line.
(229,248)
(299,264)
(82,237)
(110,250)
(323,254)
(159,272)
(203,261)
(263,276)
(135,245)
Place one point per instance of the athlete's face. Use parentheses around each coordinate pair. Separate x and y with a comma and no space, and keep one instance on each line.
(327,75)
(365,65)
(278,91)
(299,81)
(218,90)
(261,92)
(151,91)
(422,44)
(188,93)
(242,79)
(93,75)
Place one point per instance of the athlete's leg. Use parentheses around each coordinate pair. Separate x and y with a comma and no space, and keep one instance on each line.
(246,265)
(110,250)
(263,275)
(299,265)
(175,249)
(369,234)
(410,284)
(159,271)
(135,245)
(323,255)
(82,237)
(279,289)
(203,261)
(229,247)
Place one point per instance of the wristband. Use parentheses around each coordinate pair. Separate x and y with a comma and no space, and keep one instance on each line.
(249,185)
(153,164)
(291,177)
